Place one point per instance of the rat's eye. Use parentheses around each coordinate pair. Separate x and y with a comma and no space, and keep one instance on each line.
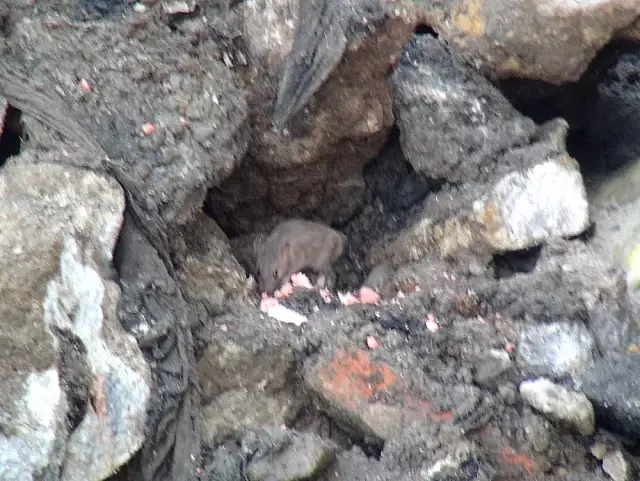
(275,274)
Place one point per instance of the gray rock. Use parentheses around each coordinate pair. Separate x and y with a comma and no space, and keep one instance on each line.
(302,456)
(59,228)
(534,193)
(199,113)
(79,301)
(528,36)
(237,410)
(613,386)
(247,374)
(469,122)
(555,350)
(559,404)
(492,366)
(616,466)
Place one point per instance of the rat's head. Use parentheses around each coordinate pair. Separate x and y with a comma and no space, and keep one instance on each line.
(272,260)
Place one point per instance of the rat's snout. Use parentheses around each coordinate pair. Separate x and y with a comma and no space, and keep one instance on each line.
(267,284)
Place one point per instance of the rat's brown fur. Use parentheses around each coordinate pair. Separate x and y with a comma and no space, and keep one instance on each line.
(294,245)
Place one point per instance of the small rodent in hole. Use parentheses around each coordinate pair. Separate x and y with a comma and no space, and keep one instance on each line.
(294,245)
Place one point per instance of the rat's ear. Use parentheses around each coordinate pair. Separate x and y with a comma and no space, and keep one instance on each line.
(285,247)
(258,240)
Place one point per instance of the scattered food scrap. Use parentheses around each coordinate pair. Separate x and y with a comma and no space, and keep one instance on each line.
(273,308)
(85,86)
(372,342)
(300,280)
(347,298)
(148,128)
(367,295)
(285,291)
(326,295)
(432,323)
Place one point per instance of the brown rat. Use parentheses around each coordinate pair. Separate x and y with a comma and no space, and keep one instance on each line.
(294,245)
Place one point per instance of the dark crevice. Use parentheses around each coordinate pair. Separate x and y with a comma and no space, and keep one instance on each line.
(313,420)
(6,26)
(425,30)
(75,376)
(12,134)
(517,262)
(602,108)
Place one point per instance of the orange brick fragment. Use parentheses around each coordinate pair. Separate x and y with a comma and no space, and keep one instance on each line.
(352,378)
(509,456)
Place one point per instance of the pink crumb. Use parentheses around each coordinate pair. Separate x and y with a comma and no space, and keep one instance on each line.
(267,303)
(300,280)
(274,309)
(372,342)
(148,128)
(432,323)
(285,291)
(347,298)
(326,295)
(367,295)
(84,86)
(508,347)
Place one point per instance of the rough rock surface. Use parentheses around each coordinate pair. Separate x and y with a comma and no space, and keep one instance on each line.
(612,386)
(191,105)
(453,123)
(555,350)
(552,41)
(245,383)
(522,188)
(560,404)
(73,361)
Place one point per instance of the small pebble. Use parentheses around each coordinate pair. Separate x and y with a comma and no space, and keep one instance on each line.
(326,295)
(139,7)
(372,343)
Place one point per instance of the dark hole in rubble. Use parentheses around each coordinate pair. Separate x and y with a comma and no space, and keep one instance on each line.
(511,263)
(394,193)
(5,24)
(602,108)
(425,30)
(12,134)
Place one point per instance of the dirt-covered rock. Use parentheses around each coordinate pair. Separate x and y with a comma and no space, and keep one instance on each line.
(520,187)
(551,41)
(69,370)
(170,110)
